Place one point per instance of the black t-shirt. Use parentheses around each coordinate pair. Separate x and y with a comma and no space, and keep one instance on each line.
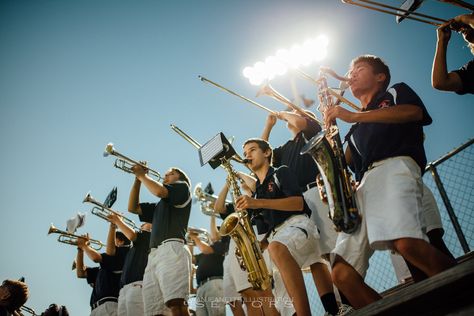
(91,278)
(108,279)
(371,142)
(170,215)
(466,73)
(136,260)
(303,166)
(210,265)
(279,183)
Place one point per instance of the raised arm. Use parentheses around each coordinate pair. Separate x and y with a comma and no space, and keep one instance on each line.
(134,198)
(219,205)
(293,119)
(93,254)
(129,232)
(204,247)
(269,123)
(441,79)
(213,230)
(81,271)
(153,186)
(110,247)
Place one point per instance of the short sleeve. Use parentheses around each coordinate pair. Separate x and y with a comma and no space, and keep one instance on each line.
(92,275)
(276,158)
(403,94)
(147,212)
(178,194)
(466,73)
(229,209)
(219,248)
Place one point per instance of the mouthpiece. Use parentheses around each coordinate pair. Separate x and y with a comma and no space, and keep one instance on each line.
(246,161)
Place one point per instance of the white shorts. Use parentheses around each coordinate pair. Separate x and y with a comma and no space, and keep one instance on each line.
(389,200)
(283,302)
(320,217)
(130,300)
(236,279)
(430,215)
(299,234)
(105,309)
(166,276)
(209,299)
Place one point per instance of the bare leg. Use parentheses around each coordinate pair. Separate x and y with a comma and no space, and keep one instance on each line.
(178,307)
(352,285)
(423,255)
(322,278)
(259,302)
(292,277)
(236,308)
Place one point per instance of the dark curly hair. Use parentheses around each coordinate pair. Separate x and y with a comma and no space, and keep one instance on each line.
(18,294)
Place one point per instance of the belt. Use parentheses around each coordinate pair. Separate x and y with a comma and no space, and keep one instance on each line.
(171,239)
(104,300)
(309,186)
(209,279)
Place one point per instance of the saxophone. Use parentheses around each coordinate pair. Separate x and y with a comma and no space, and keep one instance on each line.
(248,251)
(327,151)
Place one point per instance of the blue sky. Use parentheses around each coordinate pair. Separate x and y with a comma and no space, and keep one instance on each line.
(76,75)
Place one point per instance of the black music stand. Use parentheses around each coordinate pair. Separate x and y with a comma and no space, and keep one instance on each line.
(216,149)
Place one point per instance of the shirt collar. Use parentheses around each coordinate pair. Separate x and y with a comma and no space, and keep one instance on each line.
(270,172)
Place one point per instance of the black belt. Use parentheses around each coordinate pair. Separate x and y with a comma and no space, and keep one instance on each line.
(104,300)
(209,279)
(309,186)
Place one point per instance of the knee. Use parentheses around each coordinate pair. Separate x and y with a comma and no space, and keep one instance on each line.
(404,246)
(339,275)
(276,250)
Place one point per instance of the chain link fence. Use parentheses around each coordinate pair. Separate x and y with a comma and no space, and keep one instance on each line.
(451,179)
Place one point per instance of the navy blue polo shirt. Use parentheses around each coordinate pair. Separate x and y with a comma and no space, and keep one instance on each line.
(278,183)
(107,283)
(91,279)
(371,142)
(136,259)
(303,166)
(211,265)
(170,215)
(466,73)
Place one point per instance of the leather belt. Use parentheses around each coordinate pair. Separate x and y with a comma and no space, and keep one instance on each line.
(309,186)
(209,279)
(104,300)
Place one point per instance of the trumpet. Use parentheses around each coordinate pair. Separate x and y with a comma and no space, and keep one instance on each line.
(206,200)
(71,239)
(103,211)
(28,310)
(203,235)
(124,163)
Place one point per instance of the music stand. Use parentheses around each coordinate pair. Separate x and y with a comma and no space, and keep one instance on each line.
(216,149)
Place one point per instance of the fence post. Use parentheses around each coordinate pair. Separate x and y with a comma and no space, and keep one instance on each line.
(449,208)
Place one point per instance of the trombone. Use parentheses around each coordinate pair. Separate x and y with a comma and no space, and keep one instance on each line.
(124,163)
(103,211)
(401,13)
(268,90)
(71,239)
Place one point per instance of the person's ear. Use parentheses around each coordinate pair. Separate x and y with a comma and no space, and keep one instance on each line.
(381,77)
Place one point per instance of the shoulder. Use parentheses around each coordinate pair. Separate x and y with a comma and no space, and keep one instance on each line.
(180,186)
